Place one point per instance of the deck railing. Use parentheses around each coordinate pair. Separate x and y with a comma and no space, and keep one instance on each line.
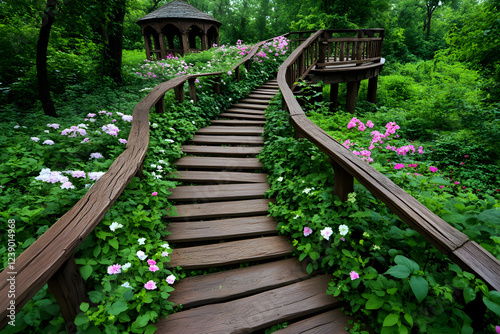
(347,166)
(50,258)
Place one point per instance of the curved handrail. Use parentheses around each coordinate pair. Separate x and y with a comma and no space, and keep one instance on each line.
(40,262)
(444,237)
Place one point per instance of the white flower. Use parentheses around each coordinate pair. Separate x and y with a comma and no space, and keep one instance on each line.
(279,179)
(166,246)
(162,151)
(191,101)
(67,185)
(17,126)
(326,233)
(35,139)
(126,266)
(126,284)
(164,254)
(141,241)
(141,255)
(159,167)
(154,125)
(193,122)
(48,142)
(162,162)
(114,226)
(375,247)
(307,190)
(343,229)
(169,140)
(46,131)
(153,166)
(170,279)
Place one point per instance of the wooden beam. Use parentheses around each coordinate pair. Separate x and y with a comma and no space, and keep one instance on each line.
(343,183)
(372,89)
(192,90)
(352,94)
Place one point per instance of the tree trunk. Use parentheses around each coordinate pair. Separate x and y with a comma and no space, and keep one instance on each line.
(41,58)
(112,61)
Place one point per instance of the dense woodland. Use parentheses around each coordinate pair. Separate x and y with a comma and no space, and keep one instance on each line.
(71,59)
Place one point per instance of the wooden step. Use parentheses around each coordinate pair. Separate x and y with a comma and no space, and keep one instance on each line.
(221,286)
(242,116)
(219,163)
(245,111)
(260,97)
(226,253)
(221,192)
(219,177)
(249,314)
(231,130)
(254,101)
(325,323)
(228,140)
(221,150)
(249,106)
(221,229)
(237,122)
(269,86)
(250,207)
(271,92)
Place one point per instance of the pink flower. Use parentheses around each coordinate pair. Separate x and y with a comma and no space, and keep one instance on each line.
(462,163)
(67,185)
(441,187)
(433,169)
(123,141)
(497,328)
(96,155)
(421,150)
(326,233)
(342,238)
(347,143)
(361,127)
(54,126)
(229,72)
(354,275)
(369,124)
(91,115)
(463,187)
(151,262)
(197,80)
(164,254)
(153,268)
(170,279)
(399,166)
(456,182)
(150,285)
(114,269)
(78,174)
(466,156)
(154,193)
(307,231)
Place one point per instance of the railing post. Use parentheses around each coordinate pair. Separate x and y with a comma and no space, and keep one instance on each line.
(343,182)
(352,94)
(160,105)
(372,89)
(67,287)
(237,73)
(322,54)
(179,93)
(334,96)
(192,90)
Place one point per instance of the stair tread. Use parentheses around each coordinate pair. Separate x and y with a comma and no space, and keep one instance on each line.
(226,140)
(221,150)
(333,321)
(219,192)
(219,177)
(242,116)
(236,122)
(231,130)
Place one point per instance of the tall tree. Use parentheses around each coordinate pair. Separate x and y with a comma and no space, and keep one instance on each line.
(261,21)
(41,57)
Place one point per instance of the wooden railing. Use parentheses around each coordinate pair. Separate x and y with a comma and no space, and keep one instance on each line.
(468,254)
(50,258)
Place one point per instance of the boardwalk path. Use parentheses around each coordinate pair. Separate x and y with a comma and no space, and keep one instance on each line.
(222,220)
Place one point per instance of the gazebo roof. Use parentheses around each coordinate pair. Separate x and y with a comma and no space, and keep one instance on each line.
(178,10)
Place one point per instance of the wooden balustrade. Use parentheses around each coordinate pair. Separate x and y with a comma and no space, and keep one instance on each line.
(50,258)
(347,166)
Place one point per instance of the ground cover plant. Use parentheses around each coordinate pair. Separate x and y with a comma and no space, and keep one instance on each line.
(123,261)
(385,272)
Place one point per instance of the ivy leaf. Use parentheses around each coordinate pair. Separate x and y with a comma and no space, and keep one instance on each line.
(420,287)
(86,271)
(399,271)
(374,303)
(117,308)
(391,320)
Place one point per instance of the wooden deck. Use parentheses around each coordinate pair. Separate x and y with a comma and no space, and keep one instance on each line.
(221,221)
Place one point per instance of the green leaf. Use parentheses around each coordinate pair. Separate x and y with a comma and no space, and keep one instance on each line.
(374,303)
(150,329)
(469,294)
(399,271)
(391,319)
(392,291)
(439,180)
(493,302)
(409,319)
(81,319)
(117,308)
(302,256)
(420,287)
(128,295)
(114,243)
(141,321)
(86,271)
(95,296)
(84,307)
(309,268)
(410,264)
(491,216)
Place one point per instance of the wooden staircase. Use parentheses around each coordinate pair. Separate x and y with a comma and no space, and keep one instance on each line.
(222,221)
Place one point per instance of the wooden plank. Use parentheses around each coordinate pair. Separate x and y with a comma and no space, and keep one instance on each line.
(325,323)
(221,286)
(219,163)
(254,101)
(246,111)
(242,116)
(221,150)
(258,96)
(226,253)
(219,177)
(221,229)
(249,106)
(249,314)
(231,130)
(270,92)
(237,122)
(250,207)
(221,192)
(475,258)
(227,140)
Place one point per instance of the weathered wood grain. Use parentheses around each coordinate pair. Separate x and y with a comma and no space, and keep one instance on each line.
(245,111)
(219,192)
(219,163)
(221,286)
(253,313)
(254,101)
(258,96)
(227,140)
(251,207)
(330,322)
(219,177)
(249,106)
(221,229)
(242,116)
(232,130)
(221,150)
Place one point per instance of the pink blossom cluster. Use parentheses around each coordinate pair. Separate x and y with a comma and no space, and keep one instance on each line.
(111,129)
(74,131)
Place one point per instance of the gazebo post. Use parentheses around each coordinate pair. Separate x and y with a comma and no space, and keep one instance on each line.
(185,41)
(147,42)
(162,46)
(204,40)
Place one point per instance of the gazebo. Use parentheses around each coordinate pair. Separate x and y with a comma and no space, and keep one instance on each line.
(178,28)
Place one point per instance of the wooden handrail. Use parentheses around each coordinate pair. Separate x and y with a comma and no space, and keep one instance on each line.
(54,250)
(448,240)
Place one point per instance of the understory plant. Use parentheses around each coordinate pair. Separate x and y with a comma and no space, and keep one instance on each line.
(385,273)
